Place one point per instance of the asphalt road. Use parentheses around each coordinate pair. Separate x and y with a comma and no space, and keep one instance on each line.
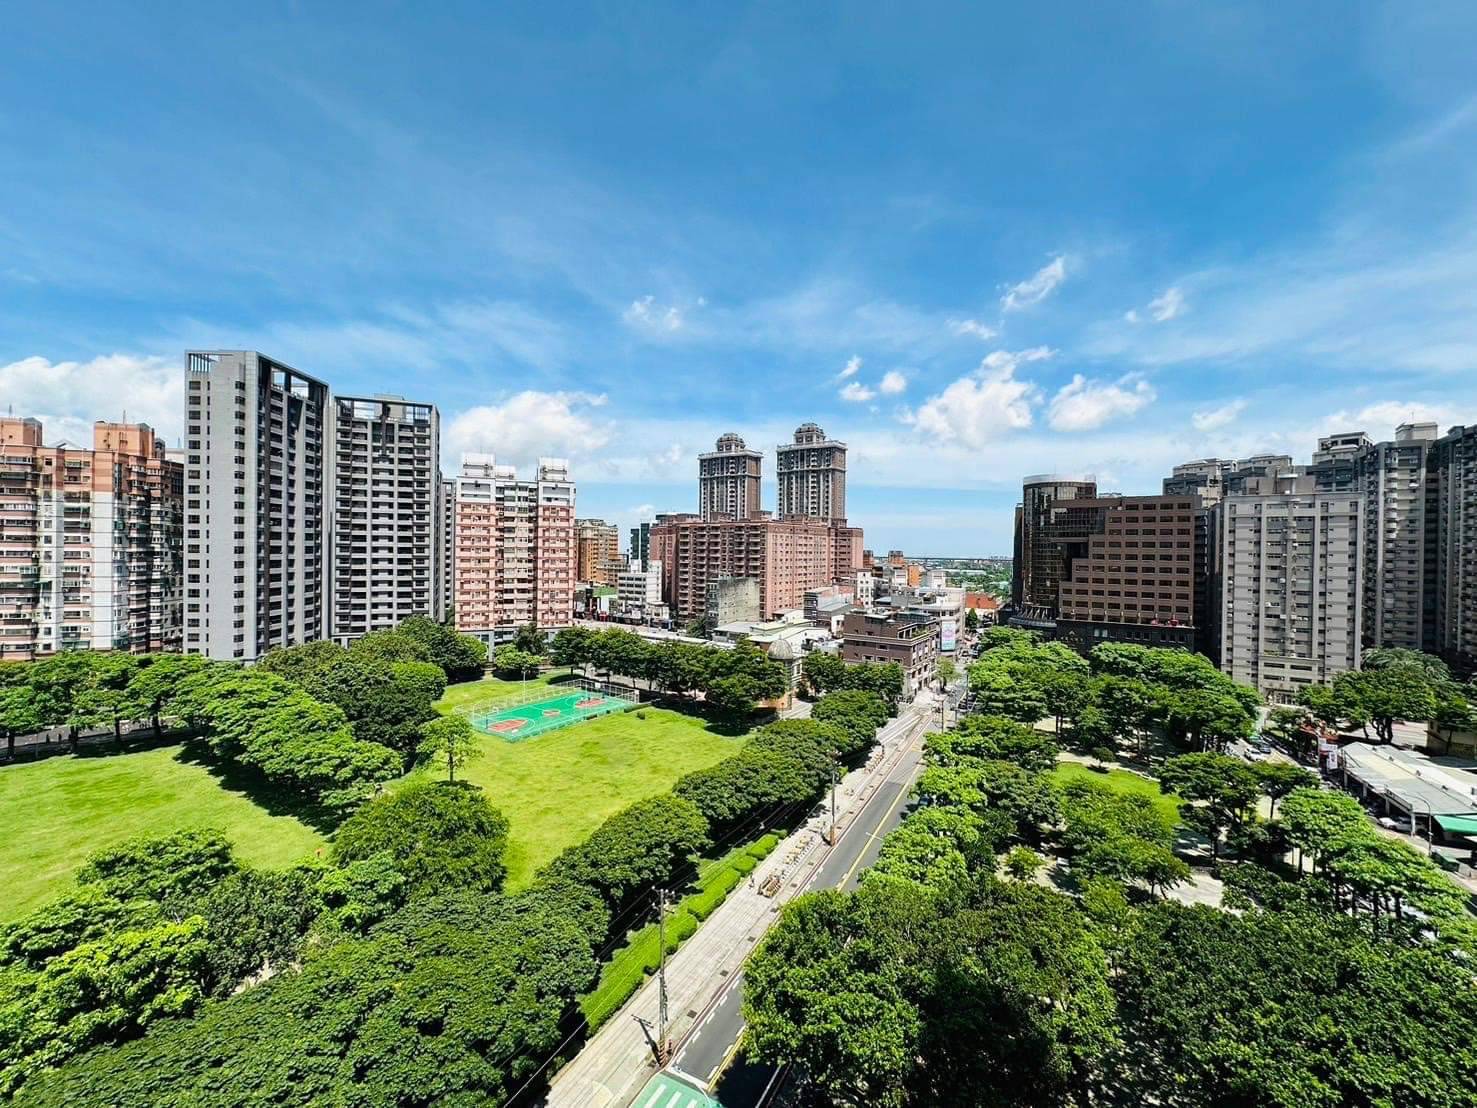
(714,1040)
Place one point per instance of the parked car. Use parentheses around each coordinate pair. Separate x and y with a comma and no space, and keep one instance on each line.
(1395,823)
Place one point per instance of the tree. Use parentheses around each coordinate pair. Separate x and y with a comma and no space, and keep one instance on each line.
(1454,712)
(156,685)
(530,640)
(164,868)
(823,672)
(256,921)
(461,656)
(1383,696)
(451,738)
(1277,779)
(971,620)
(946,671)
(1023,863)
(23,711)
(510,661)
(441,836)
(1428,666)
(1314,1013)
(571,646)
(1220,787)
(857,712)
(1316,819)
(60,680)
(634,849)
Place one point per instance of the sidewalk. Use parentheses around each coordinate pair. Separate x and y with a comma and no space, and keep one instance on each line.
(619,1059)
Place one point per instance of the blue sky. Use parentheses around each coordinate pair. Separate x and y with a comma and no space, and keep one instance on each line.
(975,242)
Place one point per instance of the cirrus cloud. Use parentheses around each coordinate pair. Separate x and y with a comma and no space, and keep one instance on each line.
(1036,287)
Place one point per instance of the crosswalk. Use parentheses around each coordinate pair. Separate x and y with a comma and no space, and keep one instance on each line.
(664,1091)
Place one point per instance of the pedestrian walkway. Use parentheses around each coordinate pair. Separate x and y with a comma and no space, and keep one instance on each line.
(665,1091)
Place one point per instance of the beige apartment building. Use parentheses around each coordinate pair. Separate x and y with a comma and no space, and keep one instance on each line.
(810,475)
(728,480)
(598,559)
(515,548)
(91,540)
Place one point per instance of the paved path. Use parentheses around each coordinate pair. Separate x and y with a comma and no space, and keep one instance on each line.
(618,1060)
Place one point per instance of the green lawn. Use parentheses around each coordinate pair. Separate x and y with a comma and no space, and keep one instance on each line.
(469,694)
(557,788)
(59,810)
(1122,780)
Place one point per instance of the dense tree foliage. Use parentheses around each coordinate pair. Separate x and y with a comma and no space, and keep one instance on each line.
(827,673)
(441,836)
(857,712)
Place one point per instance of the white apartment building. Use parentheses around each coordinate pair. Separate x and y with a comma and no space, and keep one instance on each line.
(386,537)
(514,561)
(1291,573)
(639,590)
(257,505)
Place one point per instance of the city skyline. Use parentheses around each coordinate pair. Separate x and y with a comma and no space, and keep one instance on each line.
(1011,276)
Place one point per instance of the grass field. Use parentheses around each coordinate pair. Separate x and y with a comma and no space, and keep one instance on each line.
(1122,780)
(59,810)
(469,694)
(557,788)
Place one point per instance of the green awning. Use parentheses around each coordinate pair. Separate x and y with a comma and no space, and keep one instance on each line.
(1459,825)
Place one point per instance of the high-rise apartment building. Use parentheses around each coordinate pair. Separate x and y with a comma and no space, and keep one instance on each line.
(384,535)
(1044,531)
(258,503)
(728,479)
(640,552)
(1291,584)
(515,548)
(91,542)
(1454,462)
(1133,577)
(810,474)
(786,557)
(1400,533)
(445,575)
(598,558)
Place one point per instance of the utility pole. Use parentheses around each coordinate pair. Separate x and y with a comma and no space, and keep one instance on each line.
(661,977)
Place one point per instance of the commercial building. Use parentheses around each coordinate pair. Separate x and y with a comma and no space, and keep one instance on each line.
(1455,549)
(810,474)
(91,542)
(1043,532)
(515,548)
(1132,577)
(387,522)
(1291,580)
(598,559)
(257,505)
(908,638)
(728,480)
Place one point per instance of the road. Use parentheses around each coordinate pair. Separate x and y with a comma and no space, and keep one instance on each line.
(618,1061)
(703,1054)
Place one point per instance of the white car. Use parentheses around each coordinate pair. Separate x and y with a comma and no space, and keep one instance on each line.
(1395,823)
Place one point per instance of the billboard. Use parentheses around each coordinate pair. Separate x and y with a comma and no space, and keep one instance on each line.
(948,632)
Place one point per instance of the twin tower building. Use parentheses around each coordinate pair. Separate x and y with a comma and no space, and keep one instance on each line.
(804,544)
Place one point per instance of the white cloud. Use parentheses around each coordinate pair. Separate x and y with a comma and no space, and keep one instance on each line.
(529,425)
(68,397)
(1083,405)
(644,513)
(856,393)
(983,405)
(1131,315)
(647,314)
(892,383)
(1381,419)
(971,327)
(1167,305)
(1036,287)
(1213,419)
(853,364)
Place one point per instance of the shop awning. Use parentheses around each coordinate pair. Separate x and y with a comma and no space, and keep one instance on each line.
(1459,825)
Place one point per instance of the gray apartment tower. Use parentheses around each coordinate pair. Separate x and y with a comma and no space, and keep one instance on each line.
(728,480)
(257,505)
(1291,581)
(386,538)
(1454,463)
(811,476)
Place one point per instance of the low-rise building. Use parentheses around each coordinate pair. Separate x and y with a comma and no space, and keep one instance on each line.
(732,600)
(908,638)
(639,590)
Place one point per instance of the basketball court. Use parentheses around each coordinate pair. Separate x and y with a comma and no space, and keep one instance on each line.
(545,710)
